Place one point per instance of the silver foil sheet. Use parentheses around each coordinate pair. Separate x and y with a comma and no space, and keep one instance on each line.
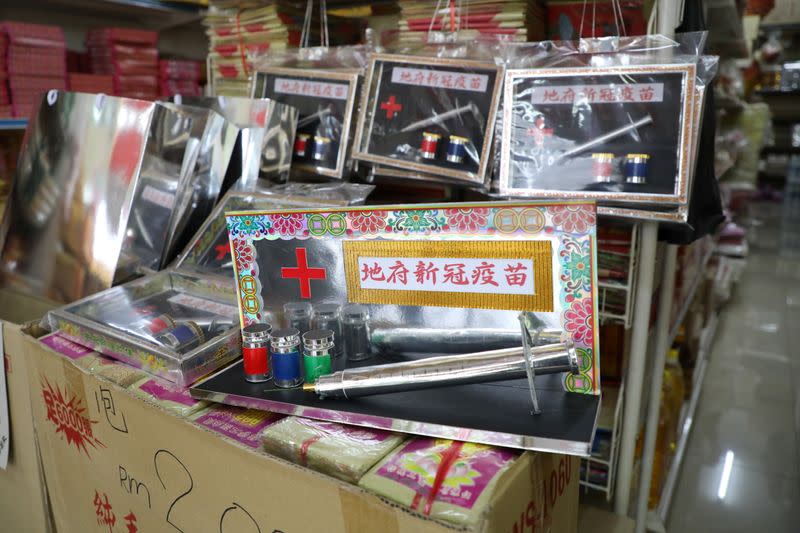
(115,323)
(265,137)
(94,191)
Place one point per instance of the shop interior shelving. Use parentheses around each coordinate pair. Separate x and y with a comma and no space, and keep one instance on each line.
(153,14)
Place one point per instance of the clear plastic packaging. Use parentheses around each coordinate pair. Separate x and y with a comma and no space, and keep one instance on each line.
(614,119)
(430,113)
(468,474)
(236,423)
(130,322)
(168,396)
(343,452)
(323,83)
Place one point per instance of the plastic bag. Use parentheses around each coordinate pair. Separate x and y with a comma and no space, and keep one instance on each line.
(468,474)
(344,452)
(613,118)
(431,113)
(323,83)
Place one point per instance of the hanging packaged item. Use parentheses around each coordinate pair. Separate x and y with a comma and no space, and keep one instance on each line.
(613,119)
(324,84)
(429,115)
(103,186)
(326,102)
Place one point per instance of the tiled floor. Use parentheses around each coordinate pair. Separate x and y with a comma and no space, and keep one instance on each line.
(749,411)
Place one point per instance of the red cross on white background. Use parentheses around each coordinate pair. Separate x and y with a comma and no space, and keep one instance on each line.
(302,273)
(391,107)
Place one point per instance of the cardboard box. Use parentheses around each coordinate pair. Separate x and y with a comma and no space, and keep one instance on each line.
(110,459)
(23,496)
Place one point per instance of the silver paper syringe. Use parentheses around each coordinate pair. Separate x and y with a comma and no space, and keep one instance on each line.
(432,372)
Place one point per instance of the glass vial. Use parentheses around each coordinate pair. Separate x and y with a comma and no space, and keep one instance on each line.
(326,316)
(318,348)
(183,337)
(355,332)
(298,315)
(287,371)
(255,352)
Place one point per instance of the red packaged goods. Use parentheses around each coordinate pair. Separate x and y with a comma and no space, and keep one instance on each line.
(35,83)
(177,69)
(27,60)
(564,18)
(187,87)
(91,83)
(122,35)
(40,35)
(123,66)
(23,110)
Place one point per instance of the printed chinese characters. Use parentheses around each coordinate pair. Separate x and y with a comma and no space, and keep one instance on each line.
(512,276)
(599,94)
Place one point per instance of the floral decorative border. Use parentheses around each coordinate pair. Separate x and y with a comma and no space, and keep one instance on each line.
(573,223)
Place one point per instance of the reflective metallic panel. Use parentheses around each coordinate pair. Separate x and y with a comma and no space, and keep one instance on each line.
(266,136)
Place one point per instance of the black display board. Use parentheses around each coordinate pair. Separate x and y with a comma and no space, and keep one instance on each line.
(453,101)
(497,413)
(558,122)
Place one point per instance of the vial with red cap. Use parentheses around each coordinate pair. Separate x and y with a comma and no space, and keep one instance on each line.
(255,352)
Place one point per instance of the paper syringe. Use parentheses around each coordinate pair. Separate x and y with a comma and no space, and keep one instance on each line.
(432,372)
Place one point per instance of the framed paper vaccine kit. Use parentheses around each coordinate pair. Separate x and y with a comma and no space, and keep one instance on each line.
(429,115)
(408,284)
(325,100)
(616,134)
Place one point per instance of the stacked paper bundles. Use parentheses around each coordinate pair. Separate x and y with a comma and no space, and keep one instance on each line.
(34,60)
(344,452)
(516,20)
(180,77)
(237,31)
(443,479)
(91,83)
(129,56)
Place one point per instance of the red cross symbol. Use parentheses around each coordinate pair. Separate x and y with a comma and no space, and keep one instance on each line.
(302,273)
(391,107)
(222,251)
(539,132)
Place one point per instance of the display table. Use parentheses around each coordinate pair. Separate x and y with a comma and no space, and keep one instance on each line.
(110,458)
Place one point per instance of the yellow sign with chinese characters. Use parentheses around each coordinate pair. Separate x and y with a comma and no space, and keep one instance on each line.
(512,275)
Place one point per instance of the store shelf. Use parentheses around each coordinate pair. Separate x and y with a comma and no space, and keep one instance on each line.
(13,123)
(686,425)
(673,330)
(153,14)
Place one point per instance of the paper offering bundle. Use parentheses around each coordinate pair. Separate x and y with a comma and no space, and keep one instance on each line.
(340,451)
(237,423)
(430,115)
(442,479)
(168,396)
